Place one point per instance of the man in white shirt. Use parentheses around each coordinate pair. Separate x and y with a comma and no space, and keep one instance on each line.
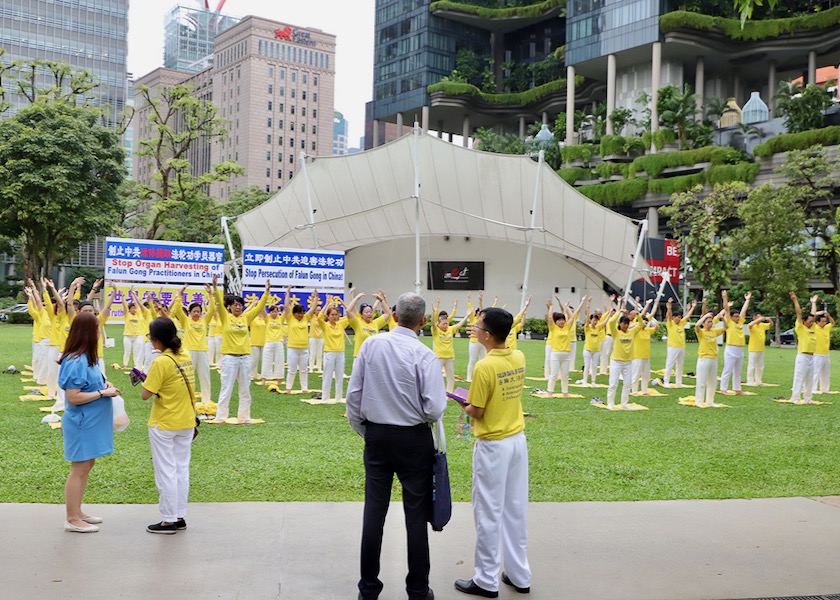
(395,392)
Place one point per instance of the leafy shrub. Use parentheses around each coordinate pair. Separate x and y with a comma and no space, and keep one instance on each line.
(572,174)
(612,145)
(20,318)
(636,145)
(654,164)
(662,137)
(538,326)
(646,139)
(827,136)
(752,30)
(608,169)
(583,152)
(740,172)
(616,193)
(532,10)
(834,336)
(452,88)
(672,185)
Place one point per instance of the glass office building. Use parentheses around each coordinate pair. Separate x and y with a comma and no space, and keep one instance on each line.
(85,34)
(414,49)
(189,35)
(596,28)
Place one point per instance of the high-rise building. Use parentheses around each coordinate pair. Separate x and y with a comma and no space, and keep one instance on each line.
(188,37)
(91,35)
(274,84)
(340,130)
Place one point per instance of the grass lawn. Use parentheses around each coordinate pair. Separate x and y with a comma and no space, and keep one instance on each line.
(757,448)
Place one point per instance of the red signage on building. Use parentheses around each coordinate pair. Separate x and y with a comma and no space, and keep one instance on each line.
(666,258)
(283,34)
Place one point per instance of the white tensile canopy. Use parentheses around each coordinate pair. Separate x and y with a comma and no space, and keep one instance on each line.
(366,198)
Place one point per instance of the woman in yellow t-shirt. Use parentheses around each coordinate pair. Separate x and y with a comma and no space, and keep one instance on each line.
(134,329)
(518,322)
(442,340)
(621,358)
(170,384)
(297,318)
(334,325)
(562,325)
(194,324)
(258,326)
(316,343)
(214,341)
(362,323)
(592,332)
(758,340)
(476,350)
(707,359)
(274,353)
(641,349)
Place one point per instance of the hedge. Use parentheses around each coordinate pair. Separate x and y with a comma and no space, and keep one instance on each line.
(572,174)
(19,318)
(752,30)
(673,185)
(608,169)
(744,171)
(616,193)
(612,145)
(827,136)
(452,88)
(661,137)
(654,164)
(534,10)
(583,152)
(538,326)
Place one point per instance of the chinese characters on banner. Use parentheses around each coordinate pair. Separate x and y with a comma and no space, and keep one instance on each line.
(162,262)
(252,295)
(319,269)
(165,293)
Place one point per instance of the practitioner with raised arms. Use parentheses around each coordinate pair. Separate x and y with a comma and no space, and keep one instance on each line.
(621,358)
(442,340)
(563,326)
(675,357)
(806,345)
(707,358)
(194,322)
(298,324)
(733,355)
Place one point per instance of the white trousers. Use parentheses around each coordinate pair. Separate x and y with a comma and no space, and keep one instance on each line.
(547,362)
(273,361)
(316,354)
(803,378)
(133,347)
(235,368)
(641,375)
(448,366)
(674,361)
(298,362)
(606,350)
(52,371)
(573,356)
(256,361)
(201,367)
(706,382)
(623,370)
(590,365)
(40,355)
(559,367)
(149,354)
(733,364)
(171,458)
(101,363)
(822,373)
(755,368)
(477,352)
(500,511)
(214,349)
(333,368)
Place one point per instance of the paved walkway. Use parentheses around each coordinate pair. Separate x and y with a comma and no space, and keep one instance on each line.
(680,550)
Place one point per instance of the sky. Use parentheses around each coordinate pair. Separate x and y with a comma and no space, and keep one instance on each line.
(351,21)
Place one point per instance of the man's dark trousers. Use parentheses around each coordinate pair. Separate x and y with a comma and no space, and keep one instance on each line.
(407,452)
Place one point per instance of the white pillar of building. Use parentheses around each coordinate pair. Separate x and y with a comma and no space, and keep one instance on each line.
(424,119)
(700,85)
(771,87)
(521,128)
(399,123)
(375,143)
(570,105)
(465,131)
(610,92)
(655,83)
(545,118)
(812,67)
(653,221)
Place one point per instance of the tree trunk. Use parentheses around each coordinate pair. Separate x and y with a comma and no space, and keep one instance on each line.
(778,329)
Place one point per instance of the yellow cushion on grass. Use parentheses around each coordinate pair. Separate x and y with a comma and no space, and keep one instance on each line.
(35,398)
(732,393)
(630,406)
(650,393)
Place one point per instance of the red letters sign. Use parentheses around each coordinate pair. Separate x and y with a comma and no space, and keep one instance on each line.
(283,34)
(669,261)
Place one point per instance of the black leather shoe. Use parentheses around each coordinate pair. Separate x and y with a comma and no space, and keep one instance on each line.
(522,590)
(430,595)
(468,586)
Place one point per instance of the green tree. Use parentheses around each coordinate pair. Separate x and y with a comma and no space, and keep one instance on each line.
(802,107)
(698,221)
(810,180)
(677,108)
(770,247)
(179,121)
(59,175)
(468,66)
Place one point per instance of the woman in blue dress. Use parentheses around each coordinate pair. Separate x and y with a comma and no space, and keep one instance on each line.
(88,421)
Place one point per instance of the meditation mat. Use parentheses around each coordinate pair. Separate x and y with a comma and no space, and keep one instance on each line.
(35,398)
(675,386)
(732,393)
(205,408)
(55,425)
(537,378)
(26,373)
(689,401)
(27,380)
(651,392)
(48,409)
(556,395)
(630,406)
(118,367)
(40,388)
(580,385)
(315,401)
(828,392)
(759,385)
(235,421)
(27,367)
(800,403)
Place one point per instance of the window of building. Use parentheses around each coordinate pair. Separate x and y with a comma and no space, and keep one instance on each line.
(270,89)
(267,187)
(303,111)
(314,130)
(303,94)
(281,107)
(291,159)
(269,121)
(291,142)
(291,125)
(292,109)
(282,91)
(268,155)
(315,79)
(294,76)
(291,174)
(304,78)
(279,140)
(268,171)
(313,146)
(271,72)
(283,71)
(280,124)
(315,97)
(268,139)
(279,173)
(269,105)
(303,144)
(293,92)
(314,113)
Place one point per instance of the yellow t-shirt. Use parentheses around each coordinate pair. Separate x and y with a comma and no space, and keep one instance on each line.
(823,339)
(708,341)
(392,323)
(36,321)
(135,324)
(258,327)
(195,332)
(623,341)
(215,327)
(442,341)
(592,337)
(472,319)
(235,337)
(758,336)
(641,349)
(55,326)
(364,330)
(735,333)
(172,406)
(562,340)
(299,331)
(316,329)
(806,338)
(63,329)
(511,340)
(334,335)
(497,385)
(676,333)
(275,329)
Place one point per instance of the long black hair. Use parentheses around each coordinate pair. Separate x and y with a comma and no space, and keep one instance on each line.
(164,331)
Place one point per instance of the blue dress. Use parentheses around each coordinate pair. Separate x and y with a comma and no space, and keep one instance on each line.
(88,428)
